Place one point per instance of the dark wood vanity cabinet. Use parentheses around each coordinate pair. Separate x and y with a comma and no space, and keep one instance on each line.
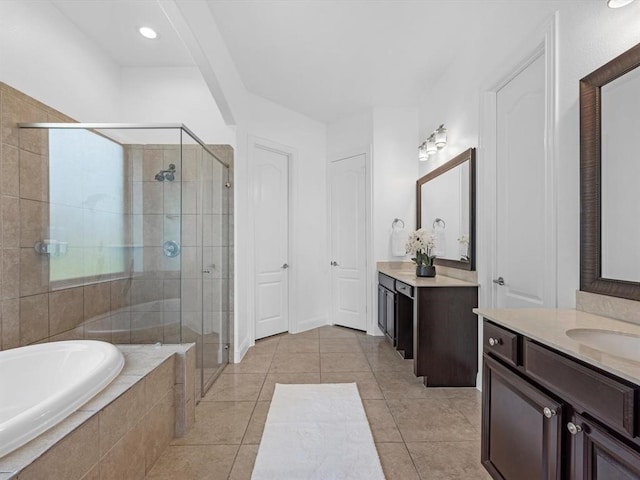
(548,416)
(387,306)
(445,336)
(395,313)
(598,455)
(522,428)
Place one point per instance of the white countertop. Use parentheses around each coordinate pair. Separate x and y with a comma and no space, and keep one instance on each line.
(550,326)
(408,276)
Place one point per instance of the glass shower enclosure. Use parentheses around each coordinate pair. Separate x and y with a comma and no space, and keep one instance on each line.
(142,214)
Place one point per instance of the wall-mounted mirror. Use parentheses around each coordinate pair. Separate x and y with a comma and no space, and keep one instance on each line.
(445,200)
(609,178)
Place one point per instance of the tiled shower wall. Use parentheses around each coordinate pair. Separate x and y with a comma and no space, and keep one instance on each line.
(143,306)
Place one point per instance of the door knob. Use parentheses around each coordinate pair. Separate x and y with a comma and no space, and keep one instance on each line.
(573,428)
(494,341)
(334,264)
(285,266)
(498,281)
(549,412)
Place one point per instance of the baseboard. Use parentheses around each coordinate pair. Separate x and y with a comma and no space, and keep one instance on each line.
(311,324)
(241,351)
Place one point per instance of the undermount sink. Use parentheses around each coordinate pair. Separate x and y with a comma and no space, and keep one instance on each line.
(624,345)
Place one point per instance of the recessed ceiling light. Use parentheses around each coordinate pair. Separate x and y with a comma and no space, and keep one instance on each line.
(618,3)
(148,32)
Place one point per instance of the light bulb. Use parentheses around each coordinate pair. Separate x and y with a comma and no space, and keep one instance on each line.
(148,32)
(431,145)
(441,137)
(618,3)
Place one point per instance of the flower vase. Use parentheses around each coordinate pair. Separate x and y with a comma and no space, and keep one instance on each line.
(425,271)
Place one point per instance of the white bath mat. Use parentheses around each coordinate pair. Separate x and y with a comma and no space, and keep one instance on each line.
(317,432)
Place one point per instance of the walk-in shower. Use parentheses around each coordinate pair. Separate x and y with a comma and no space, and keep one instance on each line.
(136,219)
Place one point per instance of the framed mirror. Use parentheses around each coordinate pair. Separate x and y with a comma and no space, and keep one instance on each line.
(610,178)
(446,205)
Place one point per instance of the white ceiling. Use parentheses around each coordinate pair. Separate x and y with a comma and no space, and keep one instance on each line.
(114,24)
(324,58)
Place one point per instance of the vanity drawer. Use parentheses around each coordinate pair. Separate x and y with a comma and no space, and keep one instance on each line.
(502,343)
(386,281)
(404,289)
(609,400)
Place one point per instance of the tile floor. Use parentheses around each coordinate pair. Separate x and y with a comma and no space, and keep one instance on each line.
(419,433)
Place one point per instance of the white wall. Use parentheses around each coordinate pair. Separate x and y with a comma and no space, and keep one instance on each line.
(173,95)
(589,35)
(395,171)
(309,260)
(45,56)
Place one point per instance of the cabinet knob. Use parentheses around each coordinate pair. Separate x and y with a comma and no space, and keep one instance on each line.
(494,341)
(549,412)
(573,428)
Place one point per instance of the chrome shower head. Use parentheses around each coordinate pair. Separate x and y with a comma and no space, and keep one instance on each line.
(168,175)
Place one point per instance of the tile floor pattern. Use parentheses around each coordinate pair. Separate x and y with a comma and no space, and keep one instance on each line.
(420,433)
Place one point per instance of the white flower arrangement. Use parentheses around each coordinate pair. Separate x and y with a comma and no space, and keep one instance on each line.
(420,245)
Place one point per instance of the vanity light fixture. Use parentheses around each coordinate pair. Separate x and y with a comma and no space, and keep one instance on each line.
(431,144)
(436,141)
(441,137)
(422,152)
(148,32)
(618,3)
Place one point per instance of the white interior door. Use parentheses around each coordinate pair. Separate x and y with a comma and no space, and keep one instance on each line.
(348,241)
(522,271)
(271,244)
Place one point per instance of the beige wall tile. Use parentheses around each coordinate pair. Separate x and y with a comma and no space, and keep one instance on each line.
(34,176)
(75,334)
(119,415)
(120,294)
(70,458)
(97,300)
(10,222)
(34,318)
(34,272)
(159,382)
(152,163)
(152,230)
(35,140)
(10,165)
(159,427)
(126,459)
(99,329)
(146,327)
(121,325)
(152,198)
(10,323)
(34,222)
(11,273)
(10,110)
(66,310)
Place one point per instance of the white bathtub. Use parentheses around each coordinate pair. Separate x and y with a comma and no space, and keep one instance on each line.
(40,385)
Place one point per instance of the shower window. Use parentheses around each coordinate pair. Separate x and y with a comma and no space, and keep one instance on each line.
(87,234)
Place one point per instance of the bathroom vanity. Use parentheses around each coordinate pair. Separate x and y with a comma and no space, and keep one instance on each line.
(430,320)
(560,395)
